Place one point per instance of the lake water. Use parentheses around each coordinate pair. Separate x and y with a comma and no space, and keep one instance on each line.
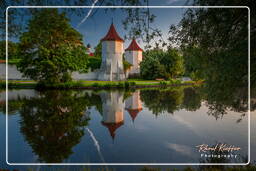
(139,126)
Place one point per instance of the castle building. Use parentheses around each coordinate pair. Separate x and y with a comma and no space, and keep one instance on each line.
(111,68)
(112,57)
(133,55)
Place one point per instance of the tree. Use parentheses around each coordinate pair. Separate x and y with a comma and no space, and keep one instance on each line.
(95,60)
(217,39)
(194,66)
(215,46)
(150,67)
(98,50)
(161,64)
(12,50)
(173,63)
(51,49)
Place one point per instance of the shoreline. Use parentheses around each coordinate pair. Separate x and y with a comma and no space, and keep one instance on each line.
(96,85)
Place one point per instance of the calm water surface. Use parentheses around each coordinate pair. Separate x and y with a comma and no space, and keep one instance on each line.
(140,126)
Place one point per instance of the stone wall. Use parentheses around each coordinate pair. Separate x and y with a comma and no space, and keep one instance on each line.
(14,74)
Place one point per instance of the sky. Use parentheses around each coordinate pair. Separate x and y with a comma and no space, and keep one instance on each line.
(94,28)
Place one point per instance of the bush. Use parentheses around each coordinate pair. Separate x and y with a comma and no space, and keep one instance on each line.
(161,64)
(94,63)
(95,84)
(163,83)
(121,84)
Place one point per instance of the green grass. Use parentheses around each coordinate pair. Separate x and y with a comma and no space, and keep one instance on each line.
(13,61)
(133,83)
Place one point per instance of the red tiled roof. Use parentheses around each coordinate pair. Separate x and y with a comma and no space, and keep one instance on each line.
(112,127)
(112,35)
(133,46)
(133,112)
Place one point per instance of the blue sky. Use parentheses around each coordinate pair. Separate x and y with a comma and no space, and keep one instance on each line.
(95,27)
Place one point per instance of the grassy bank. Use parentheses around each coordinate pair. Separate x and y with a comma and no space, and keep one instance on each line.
(10,61)
(95,84)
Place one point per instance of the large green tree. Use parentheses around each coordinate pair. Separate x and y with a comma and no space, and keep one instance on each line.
(215,46)
(215,43)
(158,63)
(51,49)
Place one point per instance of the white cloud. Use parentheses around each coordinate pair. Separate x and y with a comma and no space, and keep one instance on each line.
(183,149)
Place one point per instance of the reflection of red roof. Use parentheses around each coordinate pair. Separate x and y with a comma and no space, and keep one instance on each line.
(112,35)
(133,46)
(112,127)
(134,112)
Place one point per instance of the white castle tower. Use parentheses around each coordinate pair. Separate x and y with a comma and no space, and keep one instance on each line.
(133,54)
(112,57)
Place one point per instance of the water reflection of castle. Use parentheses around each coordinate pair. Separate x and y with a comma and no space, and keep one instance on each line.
(113,109)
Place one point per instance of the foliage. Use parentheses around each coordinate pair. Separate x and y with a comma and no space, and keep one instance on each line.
(94,63)
(161,64)
(215,44)
(98,50)
(250,167)
(51,50)
(173,63)
(150,68)
(126,65)
(215,48)
(193,66)
(12,50)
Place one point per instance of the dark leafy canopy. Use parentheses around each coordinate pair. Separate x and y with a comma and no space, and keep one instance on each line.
(98,50)
(215,43)
(215,47)
(12,50)
(51,49)
(95,60)
(161,64)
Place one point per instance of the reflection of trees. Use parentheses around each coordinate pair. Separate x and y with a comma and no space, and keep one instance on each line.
(192,98)
(13,106)
(221,99)
(159,101)
(53,123)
